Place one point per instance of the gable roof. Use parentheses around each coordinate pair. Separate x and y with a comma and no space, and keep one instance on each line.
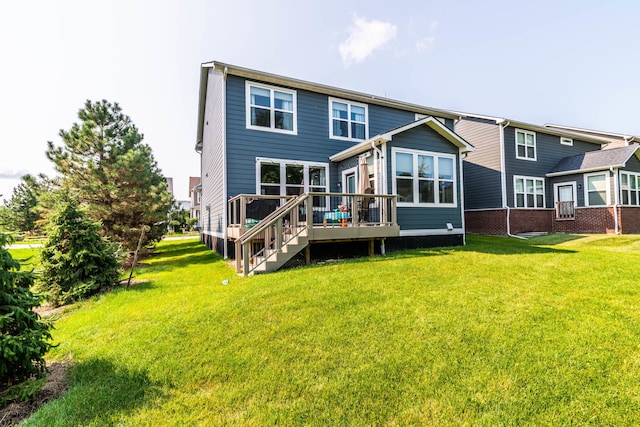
(562,132)
(595,161)
(381,138)
(305,85)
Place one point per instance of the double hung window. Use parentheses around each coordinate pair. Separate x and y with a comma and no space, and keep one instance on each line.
(525,145)
(529,192)
(348,120)
(271,108)
(596,189)
(423,178)
(630,188)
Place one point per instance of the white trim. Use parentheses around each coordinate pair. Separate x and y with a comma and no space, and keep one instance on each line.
(283,164)
(415,180)
(636,178)
(582,171)
(535,194)
(607,188)
(566,141)
(430,232)
(354,171)
(271,108)
(380,139)
(225,195)
(535,144)
(349,121)
(503,168)
(419,116)
(565,184)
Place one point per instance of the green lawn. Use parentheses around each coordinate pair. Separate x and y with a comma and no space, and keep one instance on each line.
(500,332)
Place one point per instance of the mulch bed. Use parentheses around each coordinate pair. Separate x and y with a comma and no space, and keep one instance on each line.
(56,385)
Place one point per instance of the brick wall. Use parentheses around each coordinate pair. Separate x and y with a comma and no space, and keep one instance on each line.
(528,220)
(492,222)
(588,220)
(629,219)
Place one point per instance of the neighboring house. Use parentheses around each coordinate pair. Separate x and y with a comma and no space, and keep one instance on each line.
(528,178)
(288,164)
(194,196)
(184,205)
(170,185)
(615,140)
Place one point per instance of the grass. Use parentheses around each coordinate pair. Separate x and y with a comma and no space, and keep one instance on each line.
(500,332)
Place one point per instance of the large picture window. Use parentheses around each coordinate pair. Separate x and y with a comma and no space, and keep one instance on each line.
(423,178)
(525,145)
(348,120)
(528,192)
(271,108)
(292,178)
(597,189)
(630,188)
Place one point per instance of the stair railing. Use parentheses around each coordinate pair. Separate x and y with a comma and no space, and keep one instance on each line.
(259,243)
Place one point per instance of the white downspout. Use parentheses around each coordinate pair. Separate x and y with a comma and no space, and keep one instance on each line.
(615,200)
(225,196)
(503,178)
(461,181)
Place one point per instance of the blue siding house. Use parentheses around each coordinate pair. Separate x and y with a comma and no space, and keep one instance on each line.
(289,166)
(529,178)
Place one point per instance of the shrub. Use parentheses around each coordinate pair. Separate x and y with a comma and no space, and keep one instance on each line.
(23,336)
(77,261)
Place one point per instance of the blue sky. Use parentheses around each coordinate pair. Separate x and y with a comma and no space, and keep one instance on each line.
(566,62)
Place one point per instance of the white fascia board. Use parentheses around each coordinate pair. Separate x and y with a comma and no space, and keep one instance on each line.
(328,90)
(581,171)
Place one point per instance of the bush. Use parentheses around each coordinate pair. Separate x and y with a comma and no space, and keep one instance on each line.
(77,261)
(23,336)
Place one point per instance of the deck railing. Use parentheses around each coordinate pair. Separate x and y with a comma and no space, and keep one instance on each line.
(266,223)
(565,210)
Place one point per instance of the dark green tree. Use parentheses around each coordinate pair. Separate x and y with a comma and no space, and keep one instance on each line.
(77,261)
(104,163)
(20,212)
(24,338)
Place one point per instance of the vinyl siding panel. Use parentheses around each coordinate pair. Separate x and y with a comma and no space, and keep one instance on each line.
(482,168)
(212,162)
(424,138)
(633,165)
(549,151)
(311,144)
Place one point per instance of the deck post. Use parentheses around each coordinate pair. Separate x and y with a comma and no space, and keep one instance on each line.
(371,247)
(307,254)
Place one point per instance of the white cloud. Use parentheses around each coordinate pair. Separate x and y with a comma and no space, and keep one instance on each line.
(365,37)
(425,43)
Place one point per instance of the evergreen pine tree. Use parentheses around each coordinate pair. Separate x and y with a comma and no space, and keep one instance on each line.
(104,163)
(77,261)
(23,336)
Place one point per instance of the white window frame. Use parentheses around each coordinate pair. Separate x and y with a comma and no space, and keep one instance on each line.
(416,180)
(349,121)
(271,108)
(535,199)
(283,174)
(607,188)
(535,148)
(566,141)
(635,176)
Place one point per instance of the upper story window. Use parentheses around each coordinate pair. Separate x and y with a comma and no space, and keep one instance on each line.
(525,145)
(596,189)
(271,108)
(529,192)
(348,121)
(566,141)
(630,188)
(422,178)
